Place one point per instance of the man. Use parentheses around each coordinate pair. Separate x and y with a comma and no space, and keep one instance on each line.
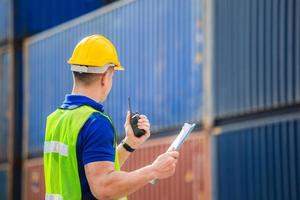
(81,158)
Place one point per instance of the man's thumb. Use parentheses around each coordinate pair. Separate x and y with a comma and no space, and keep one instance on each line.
(128,116)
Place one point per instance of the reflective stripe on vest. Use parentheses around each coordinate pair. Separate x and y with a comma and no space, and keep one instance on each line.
(56,147)
(53,197)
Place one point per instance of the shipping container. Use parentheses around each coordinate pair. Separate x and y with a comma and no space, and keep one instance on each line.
(32,16)
(33,183)
(160,46)
(258,159)
(5,21)
(4,181)
(256,56)
(20,19)
(192,177)
(5,101)
(191,180)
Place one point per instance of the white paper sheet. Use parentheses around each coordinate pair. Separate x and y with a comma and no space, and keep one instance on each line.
(182,136)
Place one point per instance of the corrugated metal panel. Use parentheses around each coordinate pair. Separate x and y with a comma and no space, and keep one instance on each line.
(256,55)
(191,180)
(3,182)
(159,44)
(34,183)
(297,49)
(5,20)
(34,16)
(258,162)
(5,101)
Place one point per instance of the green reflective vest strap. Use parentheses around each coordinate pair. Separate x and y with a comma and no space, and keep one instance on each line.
(60,162)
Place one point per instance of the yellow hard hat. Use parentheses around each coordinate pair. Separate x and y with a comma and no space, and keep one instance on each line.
(94,54)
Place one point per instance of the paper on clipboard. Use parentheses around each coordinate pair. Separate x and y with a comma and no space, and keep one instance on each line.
(179,140)
(182,136)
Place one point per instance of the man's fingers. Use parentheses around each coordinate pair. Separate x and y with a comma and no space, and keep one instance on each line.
(128,116)
(174,154)
(146,128)
(146,135)
(141,120)
(144,125)
(143,116)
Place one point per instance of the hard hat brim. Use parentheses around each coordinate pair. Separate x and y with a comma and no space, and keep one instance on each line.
(119,68)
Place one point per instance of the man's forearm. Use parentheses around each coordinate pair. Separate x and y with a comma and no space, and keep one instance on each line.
(118,183)
(123,154)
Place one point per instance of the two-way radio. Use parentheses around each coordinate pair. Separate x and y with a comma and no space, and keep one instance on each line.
(134,118)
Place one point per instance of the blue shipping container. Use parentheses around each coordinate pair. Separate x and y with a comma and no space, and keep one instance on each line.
(3,183)
(159,44)
(33,16)
(260,161)
(5,101)
(256,56)
(5,20)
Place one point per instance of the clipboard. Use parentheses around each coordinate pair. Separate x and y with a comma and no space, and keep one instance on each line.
(179,140)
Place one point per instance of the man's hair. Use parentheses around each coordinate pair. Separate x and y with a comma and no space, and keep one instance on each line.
(85,78)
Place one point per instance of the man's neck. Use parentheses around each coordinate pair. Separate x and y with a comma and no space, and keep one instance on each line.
(88,93)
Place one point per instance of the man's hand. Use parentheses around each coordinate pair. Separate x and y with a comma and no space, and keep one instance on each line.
(130,138)
(165,164)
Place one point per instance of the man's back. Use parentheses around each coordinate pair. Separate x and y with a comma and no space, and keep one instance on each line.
(94,140)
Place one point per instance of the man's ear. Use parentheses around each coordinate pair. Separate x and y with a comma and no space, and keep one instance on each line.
(105,77)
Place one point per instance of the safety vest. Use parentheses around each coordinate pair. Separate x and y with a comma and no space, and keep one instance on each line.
(60,161)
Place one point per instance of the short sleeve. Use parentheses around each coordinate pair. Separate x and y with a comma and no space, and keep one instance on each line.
(97,140)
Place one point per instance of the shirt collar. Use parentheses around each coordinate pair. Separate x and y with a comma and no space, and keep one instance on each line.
(74,101)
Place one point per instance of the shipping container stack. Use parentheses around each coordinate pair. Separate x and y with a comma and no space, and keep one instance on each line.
(256,87)
(5,118)
(20,19)
(6,97)
(233,67)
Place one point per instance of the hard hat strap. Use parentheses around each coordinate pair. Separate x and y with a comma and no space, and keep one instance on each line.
(91,70)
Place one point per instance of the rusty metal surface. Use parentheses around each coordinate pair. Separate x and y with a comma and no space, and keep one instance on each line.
(33,183)
(192,178)
(190,182)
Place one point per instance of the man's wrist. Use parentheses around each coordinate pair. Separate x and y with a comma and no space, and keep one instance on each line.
(127,147)
(130,143)
(152,172)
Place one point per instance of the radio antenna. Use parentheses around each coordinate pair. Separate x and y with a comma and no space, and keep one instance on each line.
(129,105)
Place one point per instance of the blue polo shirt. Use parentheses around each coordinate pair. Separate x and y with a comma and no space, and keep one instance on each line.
(95,140)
